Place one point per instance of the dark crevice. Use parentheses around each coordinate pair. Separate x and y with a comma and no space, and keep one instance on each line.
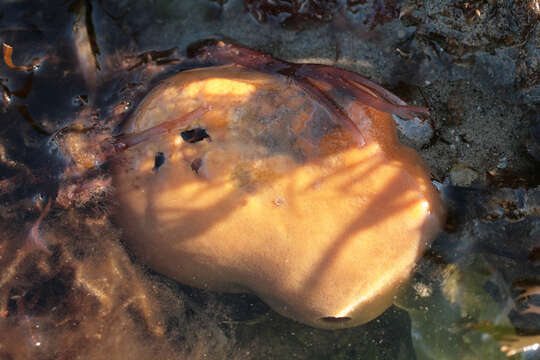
(92,37)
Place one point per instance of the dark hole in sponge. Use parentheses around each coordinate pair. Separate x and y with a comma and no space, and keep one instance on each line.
(159,160)
(337,320)
(194,135)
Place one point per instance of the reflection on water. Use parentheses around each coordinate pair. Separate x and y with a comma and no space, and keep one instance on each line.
(74,291)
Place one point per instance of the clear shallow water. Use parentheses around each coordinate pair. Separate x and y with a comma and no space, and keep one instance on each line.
(87,296)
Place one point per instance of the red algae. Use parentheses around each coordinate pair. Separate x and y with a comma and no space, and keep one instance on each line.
(292,13)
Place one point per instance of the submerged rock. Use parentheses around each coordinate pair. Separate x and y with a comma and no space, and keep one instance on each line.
(474,274)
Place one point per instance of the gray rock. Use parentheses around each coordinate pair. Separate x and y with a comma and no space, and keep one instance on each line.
(418,132)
